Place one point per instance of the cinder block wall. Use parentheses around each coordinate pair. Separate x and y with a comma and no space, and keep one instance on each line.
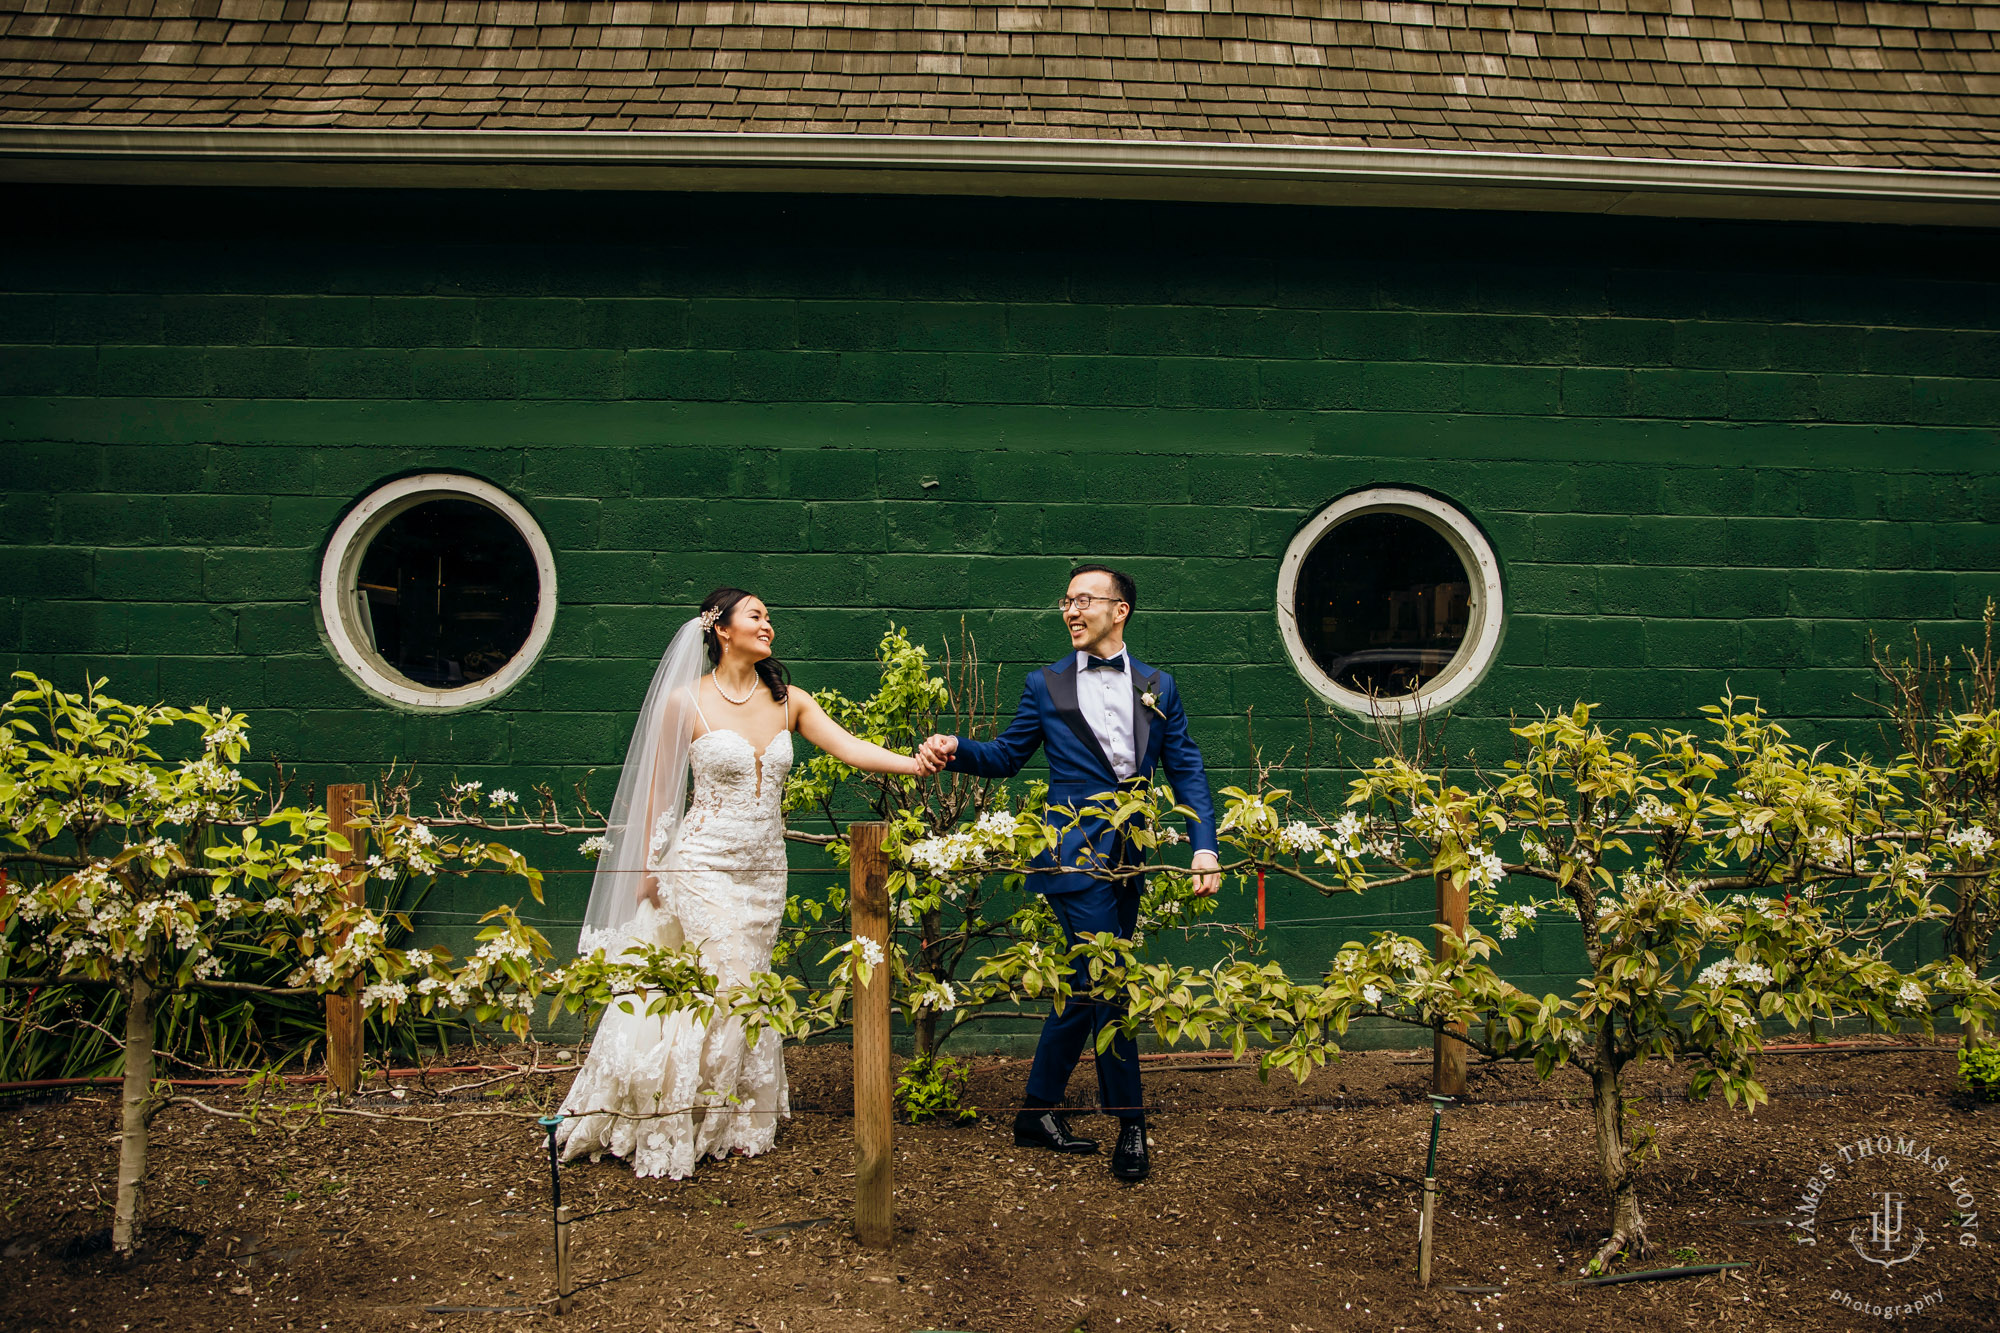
(1707,454)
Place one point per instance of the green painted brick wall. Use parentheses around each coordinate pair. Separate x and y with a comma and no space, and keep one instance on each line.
(1705,453)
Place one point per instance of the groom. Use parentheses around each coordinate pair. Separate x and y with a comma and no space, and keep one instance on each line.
(1107,719)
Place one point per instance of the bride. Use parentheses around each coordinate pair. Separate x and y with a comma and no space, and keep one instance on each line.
(667,1090)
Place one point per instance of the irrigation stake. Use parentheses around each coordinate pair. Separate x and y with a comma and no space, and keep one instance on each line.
(549,1123)
(1429,1223)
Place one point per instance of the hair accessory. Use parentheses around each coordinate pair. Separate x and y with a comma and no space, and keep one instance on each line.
(709,617)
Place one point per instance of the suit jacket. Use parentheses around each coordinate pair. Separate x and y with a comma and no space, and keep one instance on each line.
(1079,769)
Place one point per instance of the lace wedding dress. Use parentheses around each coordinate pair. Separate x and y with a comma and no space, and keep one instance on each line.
(684,1090)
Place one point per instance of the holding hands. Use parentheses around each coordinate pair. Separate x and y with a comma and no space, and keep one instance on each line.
(934,752)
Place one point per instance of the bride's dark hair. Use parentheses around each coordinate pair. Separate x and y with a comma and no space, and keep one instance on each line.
(771,671)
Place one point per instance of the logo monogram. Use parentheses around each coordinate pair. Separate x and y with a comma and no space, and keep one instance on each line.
(1885,1228)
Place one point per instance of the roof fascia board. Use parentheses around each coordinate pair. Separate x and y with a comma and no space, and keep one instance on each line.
(912,164)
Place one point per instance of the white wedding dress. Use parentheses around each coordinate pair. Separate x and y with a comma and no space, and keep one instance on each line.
(683,1090)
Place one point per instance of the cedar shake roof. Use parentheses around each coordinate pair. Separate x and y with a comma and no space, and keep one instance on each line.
(1815,82)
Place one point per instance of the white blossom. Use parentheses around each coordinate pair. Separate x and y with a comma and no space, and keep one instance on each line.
(1372,994)
(1406,954)
(382,994)
(1910,993)
(1487,869)
(502,796)
(1299,836)
(1973,840)
(1722,972)
(595,846)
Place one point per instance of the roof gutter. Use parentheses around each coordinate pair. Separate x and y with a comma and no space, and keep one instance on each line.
(926,164)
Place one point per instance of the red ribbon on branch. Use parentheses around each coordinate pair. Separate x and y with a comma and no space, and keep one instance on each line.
(1260,897)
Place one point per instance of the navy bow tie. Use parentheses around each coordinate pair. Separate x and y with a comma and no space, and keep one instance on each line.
(1115,663)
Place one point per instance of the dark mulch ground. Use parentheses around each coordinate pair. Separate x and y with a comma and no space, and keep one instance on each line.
(1271,1207)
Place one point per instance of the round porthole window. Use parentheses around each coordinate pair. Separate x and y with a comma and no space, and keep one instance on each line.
(438,591)
(1389,602)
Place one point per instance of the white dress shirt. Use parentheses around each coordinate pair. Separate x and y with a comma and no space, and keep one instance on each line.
(1104,697)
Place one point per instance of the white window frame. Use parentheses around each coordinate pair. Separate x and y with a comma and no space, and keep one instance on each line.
(346,620)
(1482,636)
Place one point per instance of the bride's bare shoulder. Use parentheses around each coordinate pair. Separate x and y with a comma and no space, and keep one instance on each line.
(687,702)
(799,704)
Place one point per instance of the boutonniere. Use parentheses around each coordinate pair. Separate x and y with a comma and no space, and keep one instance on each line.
(1152,702)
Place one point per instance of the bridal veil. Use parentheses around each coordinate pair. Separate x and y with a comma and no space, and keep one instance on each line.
(645,815)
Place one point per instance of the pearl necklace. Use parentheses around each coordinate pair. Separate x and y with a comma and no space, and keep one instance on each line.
(725,693)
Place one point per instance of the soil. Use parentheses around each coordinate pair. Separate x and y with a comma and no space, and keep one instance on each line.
(1270,1207)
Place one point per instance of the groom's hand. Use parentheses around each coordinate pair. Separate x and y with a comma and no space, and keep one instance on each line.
(1207,874)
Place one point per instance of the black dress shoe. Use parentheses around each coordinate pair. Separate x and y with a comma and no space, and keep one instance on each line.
(1044,1127)
(1129,1160)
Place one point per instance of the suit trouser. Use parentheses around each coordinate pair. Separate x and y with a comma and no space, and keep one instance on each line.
(1099,907)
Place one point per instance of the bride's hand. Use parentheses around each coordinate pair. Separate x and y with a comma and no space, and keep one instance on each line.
(649,889)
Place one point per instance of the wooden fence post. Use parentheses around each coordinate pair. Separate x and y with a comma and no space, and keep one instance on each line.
(343,1008)
(868,906)
(1448,1054)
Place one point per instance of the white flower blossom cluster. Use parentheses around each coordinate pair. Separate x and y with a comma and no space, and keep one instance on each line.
(940,856)
(1727,970)
(497,951)
(1372,994)
(1652,810)
(1536,851)
(997,824)
(1430,821)
(383,994)
(317,970)
(940,997)
(455,992)
(1973,841)
(1299,836)
(503,796)
(1912,994)
(1827,846)
(870,950)
(594,846)
(1514,916)
(1487,869)
(1914,870)
(1406,954)
(1348,834)
(226,732)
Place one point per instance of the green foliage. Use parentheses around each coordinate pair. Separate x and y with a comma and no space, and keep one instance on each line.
(933,1088)
(125,867)
(1979,1071)
(902,711)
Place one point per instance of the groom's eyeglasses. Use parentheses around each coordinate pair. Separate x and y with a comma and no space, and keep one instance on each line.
(1083,601)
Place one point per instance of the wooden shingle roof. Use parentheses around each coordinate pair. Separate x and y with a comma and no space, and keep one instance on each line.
(1812,82)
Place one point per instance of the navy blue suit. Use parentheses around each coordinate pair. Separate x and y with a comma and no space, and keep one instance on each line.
(1050,719)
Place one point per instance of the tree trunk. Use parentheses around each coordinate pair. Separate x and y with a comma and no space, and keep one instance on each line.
(930,954)
(129,1216)
(1614,1166)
